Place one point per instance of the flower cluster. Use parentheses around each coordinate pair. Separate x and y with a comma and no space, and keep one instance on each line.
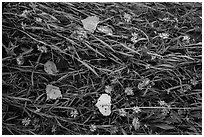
(134,37)
(129,91)
(166,108)
(164,35)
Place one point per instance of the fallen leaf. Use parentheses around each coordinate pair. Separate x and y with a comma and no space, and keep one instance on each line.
(104,104)
(164,126)
(50,68)
(136,123)
(90,23)
(53,92)
(105,29)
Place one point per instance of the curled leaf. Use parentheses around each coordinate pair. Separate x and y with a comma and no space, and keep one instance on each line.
(90,23)
(53,92)
(50,68)
(104,104)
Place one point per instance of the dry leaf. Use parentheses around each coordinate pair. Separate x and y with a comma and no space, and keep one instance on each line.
(90,23)
(105,29)
(53,92)
(104,104)
(50,68)
(136,123)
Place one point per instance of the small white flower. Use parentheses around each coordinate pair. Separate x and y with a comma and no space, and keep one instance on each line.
(136,109)
(20,60)
(74,113)
(38,19)
(108,89)
(186,38)
(24,14)
(127,17)
(42,49)
(164,35)
(53,129)
(129,91)
(92,128)
(194,81)
(165,19)
(162,103)
(26,121)
(122,112)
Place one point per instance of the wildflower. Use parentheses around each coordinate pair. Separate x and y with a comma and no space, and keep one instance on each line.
(37,110)
(108,89)
(20,60)
(42,49)
(136,109)
(127,17)
(186,88)
(129,91)
(74,113)
(147,66)
(53,129)
(166,108)
(186,39)
(144,83)
(38,19)
(194,81)
(92,128)
(136,123)
(164,35)
(26,121)
(114,130)
(165,111)
(23,25)
(165,19)
(134,37)
(24,14)
(122,112)
(163,103)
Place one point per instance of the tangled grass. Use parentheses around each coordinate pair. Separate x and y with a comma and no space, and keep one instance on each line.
(153,62)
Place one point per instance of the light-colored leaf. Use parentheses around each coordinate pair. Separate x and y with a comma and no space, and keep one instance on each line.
(164,126)
(104,104)
(105,29)
(53,92)
(50,68)
(136,123)
(90,23)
